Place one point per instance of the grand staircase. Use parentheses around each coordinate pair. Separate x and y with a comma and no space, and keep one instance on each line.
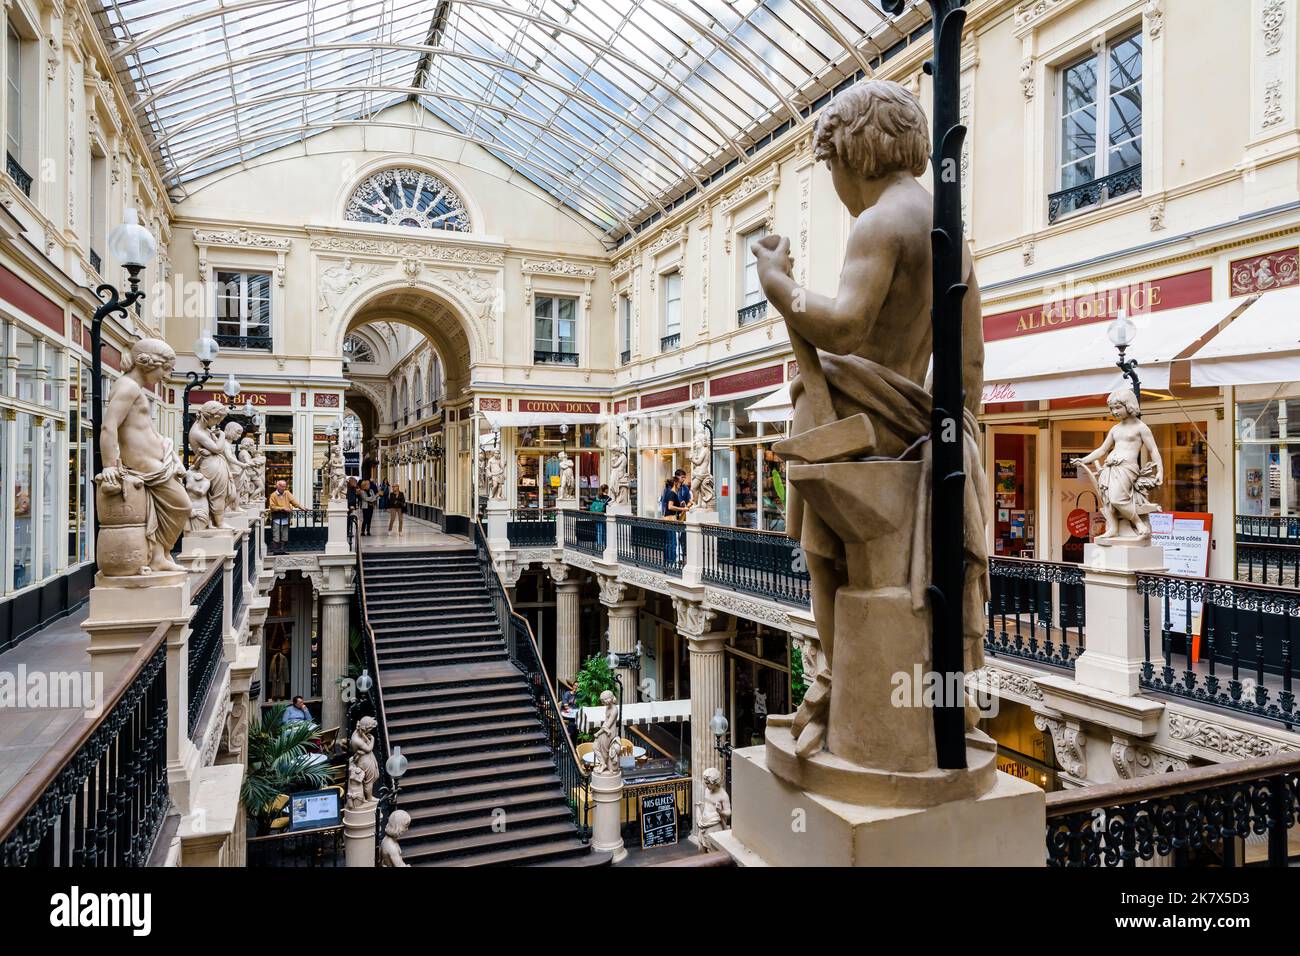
(482,787)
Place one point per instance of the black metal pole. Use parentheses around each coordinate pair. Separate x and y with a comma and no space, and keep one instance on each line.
(110,304)
(195,381)
(947,432)
(1129,369)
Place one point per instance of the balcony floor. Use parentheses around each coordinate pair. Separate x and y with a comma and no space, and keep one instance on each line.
(417,535)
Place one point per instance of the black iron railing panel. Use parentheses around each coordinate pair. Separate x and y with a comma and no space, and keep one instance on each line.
(1267,529)
(531,528)
(310,848)
(652,543)
(669,342)
(237,586)
(755,312)
(585,531)
(761,563)
(1277,564)
(1035,610)
(106,804)
(261,343)
(1233,641)
(308,530)
(251,559)
(1199,817)
(542,357)
(19,175)
(1094,192)
(371,703)
(521,646)
(205,644)
(96,262)
(624,357)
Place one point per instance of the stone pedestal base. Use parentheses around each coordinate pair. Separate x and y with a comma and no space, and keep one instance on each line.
(206,543)
(498,517)
(607,815)
(1112,661)
(777,824)
(337,522)
(359,834)
(212,832)
(124,612)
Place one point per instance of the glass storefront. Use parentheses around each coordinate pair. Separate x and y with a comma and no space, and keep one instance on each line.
(758,680)
(537,463)
(1268,453)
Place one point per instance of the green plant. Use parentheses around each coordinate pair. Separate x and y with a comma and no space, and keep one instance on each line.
(797,686)
(281,759)
(594,678)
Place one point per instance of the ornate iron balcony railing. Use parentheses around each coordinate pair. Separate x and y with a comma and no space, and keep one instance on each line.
(260,343)
(18,175)
(96,262)
(624,356)
(543,357)
(670,342)
(652,543)
(1094,193)
(1035,611)
(531,528)
(585,531)
(764,563)
(752,313)
(205,645)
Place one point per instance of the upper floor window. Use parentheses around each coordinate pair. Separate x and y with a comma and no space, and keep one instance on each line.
(625,329)
(408,197)
(1100,127)
(555,328)
(435,380)
(417,389)
(753,305)
(672,333)
(244,310)
(20,118)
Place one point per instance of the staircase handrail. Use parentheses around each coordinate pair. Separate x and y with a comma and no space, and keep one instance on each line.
(376,695)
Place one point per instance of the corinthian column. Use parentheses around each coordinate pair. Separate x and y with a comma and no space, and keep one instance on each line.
(694,622)
(334,655)
(622,628)
(568,603)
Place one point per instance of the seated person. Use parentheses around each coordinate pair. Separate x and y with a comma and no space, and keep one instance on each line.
(297,712)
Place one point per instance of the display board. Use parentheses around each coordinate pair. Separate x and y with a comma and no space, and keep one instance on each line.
(658,812)
(314,810)
(1185,536)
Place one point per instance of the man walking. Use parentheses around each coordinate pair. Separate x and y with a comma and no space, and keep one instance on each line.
(281,504)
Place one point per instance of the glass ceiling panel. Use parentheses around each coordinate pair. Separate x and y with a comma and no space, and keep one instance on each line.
(615,107)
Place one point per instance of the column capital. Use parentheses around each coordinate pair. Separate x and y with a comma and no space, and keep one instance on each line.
(561,573)
(693,618)
(614,592)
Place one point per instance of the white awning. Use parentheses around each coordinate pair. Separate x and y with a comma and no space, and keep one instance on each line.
(775,406)
(645,712)
(1080,360)
(1261,346)
(517,419)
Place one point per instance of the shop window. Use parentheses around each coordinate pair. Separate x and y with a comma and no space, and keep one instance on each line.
(27,348)
(1015,486)
(24,540)
(1268,457)
(244,310)
(555,336)
(1100,127)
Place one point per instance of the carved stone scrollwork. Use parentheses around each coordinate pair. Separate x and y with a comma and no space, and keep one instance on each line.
(1133,760)
(1069,742)
(559,571)
(693,618)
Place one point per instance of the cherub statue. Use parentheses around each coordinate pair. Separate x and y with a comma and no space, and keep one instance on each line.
(338,479)
(1130,468)
(196,486)
(619,483)
(356,786)
(568,487)
(141,502)
(702,494)
(233,433)
(496,476)
(363,756)
(863,356)
(606,747)
(209,447)
(713,810)
(390,850)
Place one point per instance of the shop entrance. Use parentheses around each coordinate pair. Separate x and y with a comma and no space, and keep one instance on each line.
(1012,466)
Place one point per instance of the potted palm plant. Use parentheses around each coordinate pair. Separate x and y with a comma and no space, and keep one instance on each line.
(282,759)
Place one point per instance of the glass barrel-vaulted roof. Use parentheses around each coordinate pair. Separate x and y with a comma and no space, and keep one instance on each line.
(615,107)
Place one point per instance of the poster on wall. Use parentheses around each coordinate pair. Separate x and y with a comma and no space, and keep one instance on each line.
(1185,536)
(1006,477)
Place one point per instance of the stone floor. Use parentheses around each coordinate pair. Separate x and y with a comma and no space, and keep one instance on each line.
(26,733)
(416,535)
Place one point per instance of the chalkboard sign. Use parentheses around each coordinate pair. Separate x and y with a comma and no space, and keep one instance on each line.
(658,819)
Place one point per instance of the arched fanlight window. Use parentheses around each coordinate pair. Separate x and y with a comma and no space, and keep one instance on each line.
(357,349)
(408,197)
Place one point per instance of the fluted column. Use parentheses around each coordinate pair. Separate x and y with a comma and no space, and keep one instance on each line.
(622,602)
(708,688)
(334,655)
(568,612)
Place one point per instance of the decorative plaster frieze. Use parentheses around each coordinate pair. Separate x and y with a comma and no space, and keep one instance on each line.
(1271,21)
(620,267)
(1069,742)
(643,579)
(408,248)
(693,618)
(666,239)
(1221,739)
(768,179)
(731,603)
(557,267)
(1154,12)
(1016,684)
(1027,77)
(1134,760)
(242,239)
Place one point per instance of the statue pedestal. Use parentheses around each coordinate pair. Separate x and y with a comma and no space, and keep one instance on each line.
(124,611)
(206,543)
(607,815)
(1113,608)
(336,519)
(617,509)
(498,516)
(777,824)
(693,569)
(359,834)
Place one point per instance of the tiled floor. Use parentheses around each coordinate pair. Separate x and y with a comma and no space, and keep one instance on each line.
(416,535)
(26,733)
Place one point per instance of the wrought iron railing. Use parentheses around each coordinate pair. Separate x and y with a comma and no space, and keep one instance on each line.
(624,356)
(524,654)
(308,848)
(1268,529)
(96,262)
(585,531)
(1094,192)
(205,644)
(669,342)
(543,357)
(251,545)
(1244,629)
(19,175)
(261,343)
(1035,610)
(755,312)
(98,796)
(764,563)
(652,543)
(1200,817)
(308,529)
(371,703)
(531,528)
(237,584)
(1268,564)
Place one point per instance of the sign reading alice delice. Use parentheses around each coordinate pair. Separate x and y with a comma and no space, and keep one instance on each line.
(658,813)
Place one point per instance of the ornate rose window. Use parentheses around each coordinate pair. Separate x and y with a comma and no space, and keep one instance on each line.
(408,197)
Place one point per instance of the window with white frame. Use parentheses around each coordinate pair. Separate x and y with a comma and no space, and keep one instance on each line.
(672,318)
(20,120)
(244,310)
(753,304)
(625,329)
(555,330)
(1100,100)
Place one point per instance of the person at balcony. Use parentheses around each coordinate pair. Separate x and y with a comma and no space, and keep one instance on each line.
(396,508)
(599,505)
(367,497)
(281,504)
(297,712)
(354,499)
(683,493)
(670,506)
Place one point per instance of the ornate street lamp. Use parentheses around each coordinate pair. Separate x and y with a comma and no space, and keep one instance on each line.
(133,246)
(702,411)
(1121,333)
(719,726)
(630,661)
(206,351)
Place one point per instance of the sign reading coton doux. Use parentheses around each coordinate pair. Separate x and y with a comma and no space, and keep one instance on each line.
(558,407)
(1139,298)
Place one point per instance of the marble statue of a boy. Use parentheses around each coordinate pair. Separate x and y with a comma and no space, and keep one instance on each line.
(1130,468)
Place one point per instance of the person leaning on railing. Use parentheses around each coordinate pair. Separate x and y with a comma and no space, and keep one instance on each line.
(281,504)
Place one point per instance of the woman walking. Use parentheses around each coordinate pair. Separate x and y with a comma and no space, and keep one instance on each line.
(366,492)
(396,508)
